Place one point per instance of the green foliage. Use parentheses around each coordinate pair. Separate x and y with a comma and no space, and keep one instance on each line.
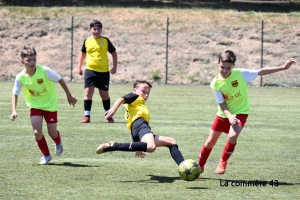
(251,13)
(192,78)
(45,16)
(156,76)
(268,149)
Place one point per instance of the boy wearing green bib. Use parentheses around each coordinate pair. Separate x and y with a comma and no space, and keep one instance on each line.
(231,94)
(37,83)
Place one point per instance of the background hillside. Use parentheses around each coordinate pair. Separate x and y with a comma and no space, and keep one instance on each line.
(195,38)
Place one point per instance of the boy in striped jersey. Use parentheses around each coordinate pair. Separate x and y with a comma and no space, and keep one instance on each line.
(231,93)
(137,117)
(97,71)
(37,82)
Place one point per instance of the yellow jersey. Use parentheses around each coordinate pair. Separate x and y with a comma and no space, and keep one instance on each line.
(135,108)
(96,53)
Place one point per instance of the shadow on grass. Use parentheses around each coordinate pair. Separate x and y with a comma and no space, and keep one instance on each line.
(116,122)
(159,179)
(196,188)
(251,183)
(165,179)
(68,164)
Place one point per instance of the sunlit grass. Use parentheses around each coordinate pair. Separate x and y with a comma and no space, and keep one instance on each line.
(268,149)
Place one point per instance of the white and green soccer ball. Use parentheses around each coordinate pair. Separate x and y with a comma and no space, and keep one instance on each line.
(189,170)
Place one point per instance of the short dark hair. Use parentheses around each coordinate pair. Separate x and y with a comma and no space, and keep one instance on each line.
(227,56)
(27,51)
(95,23)
(138,82)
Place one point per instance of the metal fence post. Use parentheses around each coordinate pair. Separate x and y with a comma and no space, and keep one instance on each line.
(167,47)
(262,49)
(72,30)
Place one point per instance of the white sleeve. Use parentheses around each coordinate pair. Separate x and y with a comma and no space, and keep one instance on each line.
(52,75)
(17,87)
(249,75)
(218,96)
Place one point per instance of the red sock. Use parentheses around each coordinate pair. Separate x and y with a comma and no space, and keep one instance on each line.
(42,144)
(203,155)
(228,150)
(57,140)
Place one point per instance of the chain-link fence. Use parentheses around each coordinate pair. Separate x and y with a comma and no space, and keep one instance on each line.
(163,50)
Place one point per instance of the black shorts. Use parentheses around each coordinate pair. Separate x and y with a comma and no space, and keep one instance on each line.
(140,128)
(98,79)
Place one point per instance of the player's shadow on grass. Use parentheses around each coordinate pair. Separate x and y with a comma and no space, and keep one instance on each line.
(166,179)
(116,122)
(159,179)
(251,183)
(68,164)
(163,179)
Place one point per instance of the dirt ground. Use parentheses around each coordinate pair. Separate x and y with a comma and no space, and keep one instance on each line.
(195,38)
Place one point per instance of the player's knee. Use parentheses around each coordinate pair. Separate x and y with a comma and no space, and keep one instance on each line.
(173,141)
(36,132)
(172,147)
(209,144)
(151,148)
(232,140)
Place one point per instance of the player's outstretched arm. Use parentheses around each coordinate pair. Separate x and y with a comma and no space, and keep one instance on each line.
(270,70)
(71,99)
(14,101)
(111,112)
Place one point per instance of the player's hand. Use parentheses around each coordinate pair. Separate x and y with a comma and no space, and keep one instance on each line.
(79,70)
(110,113)
(233,120)
(113,70)
(289,63)
(13,116)
(139,154)
(72,100)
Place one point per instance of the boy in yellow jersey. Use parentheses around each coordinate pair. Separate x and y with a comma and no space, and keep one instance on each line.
(97,71)
(37,83)
(137,118)
(231,93)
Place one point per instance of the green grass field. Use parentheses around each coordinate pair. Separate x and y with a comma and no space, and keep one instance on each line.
(268,149)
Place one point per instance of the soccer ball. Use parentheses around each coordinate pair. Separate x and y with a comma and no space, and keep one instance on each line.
(189,170)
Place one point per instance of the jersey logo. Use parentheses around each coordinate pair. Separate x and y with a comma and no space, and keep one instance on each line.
(36,93)
(235,83)
(40,81)
(229,97)
(101,43)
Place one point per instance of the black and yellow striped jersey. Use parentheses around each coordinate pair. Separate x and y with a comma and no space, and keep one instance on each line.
(135,108)
(96,51)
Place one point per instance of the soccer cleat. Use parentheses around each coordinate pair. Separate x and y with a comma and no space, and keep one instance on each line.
(59,149)
(85,120)
(101,148)
(45,160)
(221,168)
(110,120)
